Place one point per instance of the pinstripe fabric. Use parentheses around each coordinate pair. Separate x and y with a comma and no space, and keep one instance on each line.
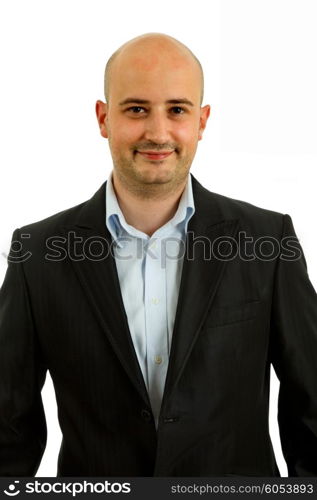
(61,310)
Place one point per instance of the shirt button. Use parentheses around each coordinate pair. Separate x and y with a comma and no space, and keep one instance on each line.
(155,301)
(158,360)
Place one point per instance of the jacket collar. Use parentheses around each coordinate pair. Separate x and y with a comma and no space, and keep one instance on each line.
(92,213)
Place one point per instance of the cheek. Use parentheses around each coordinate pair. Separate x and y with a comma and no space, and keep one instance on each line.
(187,134)
(126,134)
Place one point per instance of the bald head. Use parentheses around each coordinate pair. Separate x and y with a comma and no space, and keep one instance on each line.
(145,51)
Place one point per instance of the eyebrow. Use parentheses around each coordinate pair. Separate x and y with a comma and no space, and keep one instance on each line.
(135,100)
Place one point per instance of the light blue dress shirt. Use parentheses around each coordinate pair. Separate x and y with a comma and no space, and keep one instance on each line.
(149,271)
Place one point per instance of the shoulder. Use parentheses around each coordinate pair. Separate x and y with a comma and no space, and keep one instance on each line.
(88,212)
(253,218)
(54,222)
(244,209)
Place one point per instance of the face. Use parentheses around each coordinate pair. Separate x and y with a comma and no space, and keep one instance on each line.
(153,119)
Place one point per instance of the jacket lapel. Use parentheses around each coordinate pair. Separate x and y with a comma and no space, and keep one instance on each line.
(100,283)
(201,276)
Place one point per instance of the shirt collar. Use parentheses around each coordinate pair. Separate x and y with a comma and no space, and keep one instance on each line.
(117,224)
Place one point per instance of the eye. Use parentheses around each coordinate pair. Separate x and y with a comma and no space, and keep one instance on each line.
(177,110)
(137,110)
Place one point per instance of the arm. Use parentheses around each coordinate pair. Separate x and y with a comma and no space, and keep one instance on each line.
(294,357)
(22,375)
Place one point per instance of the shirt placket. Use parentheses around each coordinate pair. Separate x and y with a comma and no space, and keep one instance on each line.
(156,323)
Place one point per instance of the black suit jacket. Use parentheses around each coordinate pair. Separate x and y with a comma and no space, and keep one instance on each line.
(235,317)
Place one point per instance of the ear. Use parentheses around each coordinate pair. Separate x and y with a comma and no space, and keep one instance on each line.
(204,115)
(101,112)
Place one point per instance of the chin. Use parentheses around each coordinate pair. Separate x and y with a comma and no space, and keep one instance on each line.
(155,175)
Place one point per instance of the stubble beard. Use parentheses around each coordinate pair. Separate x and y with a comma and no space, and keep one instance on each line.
(144,185)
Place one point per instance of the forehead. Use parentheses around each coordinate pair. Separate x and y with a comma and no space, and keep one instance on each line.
(155,76)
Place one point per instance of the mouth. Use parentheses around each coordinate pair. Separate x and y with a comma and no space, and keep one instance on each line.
(155,155)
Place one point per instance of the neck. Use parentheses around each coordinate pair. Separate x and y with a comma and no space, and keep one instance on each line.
(150,213)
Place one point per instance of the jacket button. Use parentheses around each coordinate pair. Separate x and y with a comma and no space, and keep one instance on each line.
(146,415)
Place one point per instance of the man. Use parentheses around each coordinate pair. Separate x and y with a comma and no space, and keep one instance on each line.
(157,306)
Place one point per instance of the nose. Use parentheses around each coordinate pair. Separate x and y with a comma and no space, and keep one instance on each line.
(157,128)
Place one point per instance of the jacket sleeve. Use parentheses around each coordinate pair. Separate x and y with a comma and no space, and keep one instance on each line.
(22,375)
(294,357)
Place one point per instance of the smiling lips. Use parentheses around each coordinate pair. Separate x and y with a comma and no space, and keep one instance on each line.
(155,155)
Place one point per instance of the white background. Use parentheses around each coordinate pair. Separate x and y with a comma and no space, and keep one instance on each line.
(260,146)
